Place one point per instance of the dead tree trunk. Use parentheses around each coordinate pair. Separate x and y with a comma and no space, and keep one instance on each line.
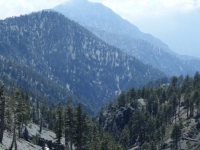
(14,138)
(41,123)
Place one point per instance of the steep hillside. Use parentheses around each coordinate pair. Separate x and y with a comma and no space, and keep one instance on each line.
(16,75)
(96,15)
(164,117)
(168,62)
(118,32)
(72,57)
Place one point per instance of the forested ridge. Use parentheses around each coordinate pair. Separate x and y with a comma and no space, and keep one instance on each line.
(116,31)
(67,55)
(161,111)
(55,75)
(146,118)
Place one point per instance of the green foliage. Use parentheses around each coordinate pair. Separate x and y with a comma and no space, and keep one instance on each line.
(36,138)
(122,99)
(174,81)
(145,146)
(149,117)
(69,120)
(120,125)
(176,134)
(124,138)
(58,126)
(45,64)
(1,90)
(196,83)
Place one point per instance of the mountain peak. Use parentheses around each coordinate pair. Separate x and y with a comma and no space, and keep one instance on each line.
(75,1)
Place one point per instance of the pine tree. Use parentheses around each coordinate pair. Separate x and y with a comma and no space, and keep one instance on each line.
(174,81)
(196,98)
(105,142)
(22,115)
(174,102)
(15,100)
(139,124)
(80,128)
(33,114)
(122,99)
(186,84)
(187,102)
(95,141)
(58,126)
(124,138)
(176,134)
(37,110)
(196,83)
(69,124)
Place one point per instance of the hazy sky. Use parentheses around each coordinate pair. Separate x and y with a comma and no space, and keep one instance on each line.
(133,10)
(136,11)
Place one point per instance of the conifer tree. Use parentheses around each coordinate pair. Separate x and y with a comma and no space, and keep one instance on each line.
(95,141)
(80,128)
(22,114)
(15,100)
(196,83)
(105,142)
(124,138)
(58,126)
(37,110)
(139,124)
(186,84)
(33,114)
(174,81)
(196,98)
(69,124)
(187,102)
(176,134)
(174,102)
(122,99)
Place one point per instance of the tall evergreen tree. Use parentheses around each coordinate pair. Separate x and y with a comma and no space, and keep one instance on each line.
(176,134)
(14,106)
(22,114)
(105,142)
(80,128)
(58,126)
(196,98)
(95,141)
(196,83)
(69,124)
(124,138)
(122,99)
(174,81)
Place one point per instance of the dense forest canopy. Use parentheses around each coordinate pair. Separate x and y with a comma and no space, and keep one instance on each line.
(137,118)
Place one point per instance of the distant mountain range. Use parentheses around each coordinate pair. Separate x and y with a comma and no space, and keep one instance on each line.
(180,31)
(60,51)
(114,30)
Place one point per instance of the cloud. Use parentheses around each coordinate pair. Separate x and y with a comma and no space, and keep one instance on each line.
(129,9)
(10,8)
(144,9)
